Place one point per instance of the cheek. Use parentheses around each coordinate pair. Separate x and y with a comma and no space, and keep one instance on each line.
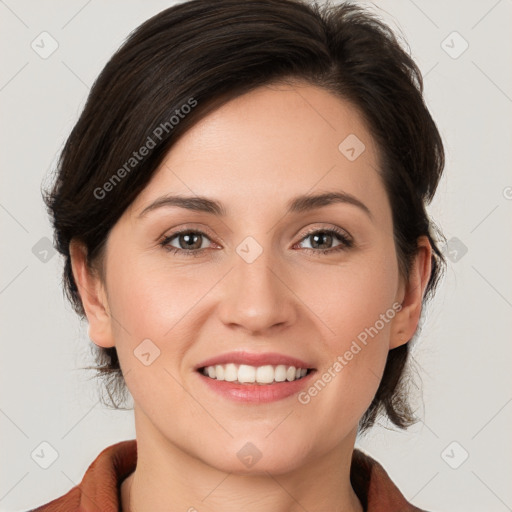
(150,301)
(153,303)
(356,315)
(351,298)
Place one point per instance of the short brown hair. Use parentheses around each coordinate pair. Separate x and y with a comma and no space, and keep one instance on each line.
(214,51)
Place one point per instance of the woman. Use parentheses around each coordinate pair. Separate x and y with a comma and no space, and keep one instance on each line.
(287,148)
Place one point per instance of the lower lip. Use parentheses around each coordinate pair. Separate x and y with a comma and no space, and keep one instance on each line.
(256,393)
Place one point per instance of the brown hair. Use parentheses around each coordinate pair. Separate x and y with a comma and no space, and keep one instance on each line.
(209,52)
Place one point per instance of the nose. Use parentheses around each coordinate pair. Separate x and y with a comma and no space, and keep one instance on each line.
(255,296)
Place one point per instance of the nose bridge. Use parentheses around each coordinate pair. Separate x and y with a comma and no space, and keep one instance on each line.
(255,297)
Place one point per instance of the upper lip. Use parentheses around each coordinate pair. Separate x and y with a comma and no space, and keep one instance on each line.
(254,359)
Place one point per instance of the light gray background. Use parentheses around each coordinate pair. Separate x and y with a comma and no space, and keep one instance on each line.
(464,352)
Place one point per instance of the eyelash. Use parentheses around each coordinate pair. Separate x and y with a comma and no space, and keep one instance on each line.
(346,242)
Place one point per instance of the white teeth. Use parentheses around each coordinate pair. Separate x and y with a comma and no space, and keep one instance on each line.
(230,372)
(265,374)
(290,373)
(219,372)
(246,373)
(254,374)
(280,375)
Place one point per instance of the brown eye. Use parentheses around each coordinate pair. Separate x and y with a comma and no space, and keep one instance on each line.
(189,242)
(322,241)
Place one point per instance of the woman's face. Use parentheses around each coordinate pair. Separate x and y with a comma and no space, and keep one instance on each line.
(255,280)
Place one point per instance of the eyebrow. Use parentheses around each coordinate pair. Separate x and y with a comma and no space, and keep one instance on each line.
(296,205)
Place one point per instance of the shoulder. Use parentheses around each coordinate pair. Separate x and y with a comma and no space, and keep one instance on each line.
(374,487)
(99,488)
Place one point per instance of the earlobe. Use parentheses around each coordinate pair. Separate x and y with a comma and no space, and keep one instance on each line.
(407,319)
(93,296)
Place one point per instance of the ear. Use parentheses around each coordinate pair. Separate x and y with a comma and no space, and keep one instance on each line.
(93,295)
(411,296)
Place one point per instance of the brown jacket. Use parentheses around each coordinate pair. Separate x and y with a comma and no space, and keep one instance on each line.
(99,490)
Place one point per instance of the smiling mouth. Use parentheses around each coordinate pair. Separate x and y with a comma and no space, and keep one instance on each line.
(262,375)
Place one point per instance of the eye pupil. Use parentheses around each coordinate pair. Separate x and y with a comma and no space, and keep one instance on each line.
(321,235)
(189,243)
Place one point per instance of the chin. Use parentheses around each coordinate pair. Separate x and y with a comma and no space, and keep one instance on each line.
(273,465)
(256,456)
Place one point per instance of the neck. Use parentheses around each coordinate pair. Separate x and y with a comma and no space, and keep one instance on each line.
(170,477)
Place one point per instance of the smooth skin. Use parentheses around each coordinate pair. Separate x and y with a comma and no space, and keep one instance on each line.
(254,154)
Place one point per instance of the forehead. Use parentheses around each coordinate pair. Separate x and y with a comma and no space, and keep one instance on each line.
(271,144)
